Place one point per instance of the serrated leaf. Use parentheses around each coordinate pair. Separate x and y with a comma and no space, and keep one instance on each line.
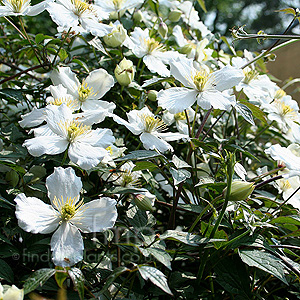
(179,163)
(159,253)
(156,277)
(139,218)
(179,175)
(256,111)
(6,271)
(139,155)
(112,277)
(78,281)
(202,5)
(144,165)
(38,278)
(264,261)
(245,112)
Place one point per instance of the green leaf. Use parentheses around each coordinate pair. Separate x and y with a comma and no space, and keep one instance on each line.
(288,10)
(139,218)
(156,277)
(139,155)
(6,272)
(60,276)
(38,278)
(12,95)
(256,111)
(187,238)
(154,81)
(78,281)
(245,112)
(112,277)
(144,165)
(81,63)
(159,252)
(123,190)
(264,261)
(233,277)
(202,5)
(179,175)
(6,201)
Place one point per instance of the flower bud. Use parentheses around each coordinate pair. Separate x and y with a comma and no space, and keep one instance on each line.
(138,16)
(144,202)
(174,15)
(186,49)
(116,37)
(162,29)
(12,293)
(124,72)
(240,190)
(152,95)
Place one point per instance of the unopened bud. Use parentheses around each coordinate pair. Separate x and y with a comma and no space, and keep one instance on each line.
(13,293)
(138,16)
(152,95)
(124,72)
(116,37)
(174,15)
(186,49)
(143,202)
(162,29)
(240,190)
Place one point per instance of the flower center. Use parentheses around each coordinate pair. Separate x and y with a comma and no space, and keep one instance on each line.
(200,80)
(180,116)
(285,109)
(69,208)
(84,91)
(17,6)
(250,75)
(80,7)
(279,94)
(152,45)
(152,123)
(118,3)
(75,129)
(59,101)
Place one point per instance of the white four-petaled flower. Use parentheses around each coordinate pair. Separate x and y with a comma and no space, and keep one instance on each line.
(67,215)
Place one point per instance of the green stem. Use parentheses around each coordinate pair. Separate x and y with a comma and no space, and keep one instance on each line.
(62,43)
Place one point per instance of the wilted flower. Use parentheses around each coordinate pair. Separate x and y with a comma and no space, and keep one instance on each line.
(67,215)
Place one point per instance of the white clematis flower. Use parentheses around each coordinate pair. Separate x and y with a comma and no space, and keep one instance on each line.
(73,13)
(86,147)
(149,127)
(92,88)
(199,85)
(11,292)
(22,8)
(66,214)
(59,96)
(153,53)
(116,6)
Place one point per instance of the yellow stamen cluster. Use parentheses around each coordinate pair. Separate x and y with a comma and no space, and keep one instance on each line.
(67,209)
(75,129)
(80,7)
(118,3)
(279,94)
(84,91)
(17,5)
(152,123)
(152,45)
(285,109)
(59,101)
(200,80)
(250,75)
(110,150)
(180,116)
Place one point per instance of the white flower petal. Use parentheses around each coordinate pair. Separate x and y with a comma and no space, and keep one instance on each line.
(155,65)
(98,215)
(96,28)
(34,215)
(46,145)
(152,142)
(100,137)
(36,117)
(176,99)
(67,78)
(213,98)
(100,81)
(132,127)
(38,8)
(63,184)
(67,245)
(184,72)
(172,136)
(86,155)
(226,78)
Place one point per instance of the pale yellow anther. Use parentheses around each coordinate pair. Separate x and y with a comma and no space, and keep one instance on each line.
(80,7)
(180,116)
(17,5)
(200,80)
(69,208)
(75,129)
(84,91)
(59,101)
(152,45)
(279,94)
(152,123)
(250,75)
(118,3)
